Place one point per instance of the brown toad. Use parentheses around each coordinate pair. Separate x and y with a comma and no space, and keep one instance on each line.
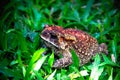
(63,40)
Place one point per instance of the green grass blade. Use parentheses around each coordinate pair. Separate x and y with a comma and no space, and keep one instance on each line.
(38,75)
(20,62)
(51,59)
(87,10)
(35,57)
(74,75)
(52,75)
(111,75)
(96,70)
(114,47)
(117,77)
(75,59)
(37,66)
(39,63)
(108,61)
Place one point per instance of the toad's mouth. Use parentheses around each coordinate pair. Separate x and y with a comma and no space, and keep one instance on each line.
(49,42)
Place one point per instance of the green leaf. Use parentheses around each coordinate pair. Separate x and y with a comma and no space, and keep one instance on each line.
(58,76)
(20,62)
(74,75)
(10,30)
(52,75)
(108,61)
(87,10)
(39,63)
(38,75)
(111,75)
(117,77)
(51,59)
(10,73)
(37,66)
(75,59)
(114,47)
(78,74)
(97,60)
(35,57)
(96,70)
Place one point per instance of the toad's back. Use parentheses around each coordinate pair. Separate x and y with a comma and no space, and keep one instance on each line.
(84,45)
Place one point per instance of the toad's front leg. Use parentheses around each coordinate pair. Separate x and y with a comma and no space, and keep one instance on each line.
(65,61)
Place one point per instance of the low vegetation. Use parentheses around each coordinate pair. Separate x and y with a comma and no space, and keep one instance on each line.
(22,50)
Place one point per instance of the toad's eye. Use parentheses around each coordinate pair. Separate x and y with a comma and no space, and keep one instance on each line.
(53,36)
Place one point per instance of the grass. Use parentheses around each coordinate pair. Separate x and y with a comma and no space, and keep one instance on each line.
(21,49)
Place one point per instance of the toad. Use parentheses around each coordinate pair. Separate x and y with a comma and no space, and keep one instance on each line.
(62,41)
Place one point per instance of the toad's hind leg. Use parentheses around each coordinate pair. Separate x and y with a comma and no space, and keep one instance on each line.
(103,48)
(65,61)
